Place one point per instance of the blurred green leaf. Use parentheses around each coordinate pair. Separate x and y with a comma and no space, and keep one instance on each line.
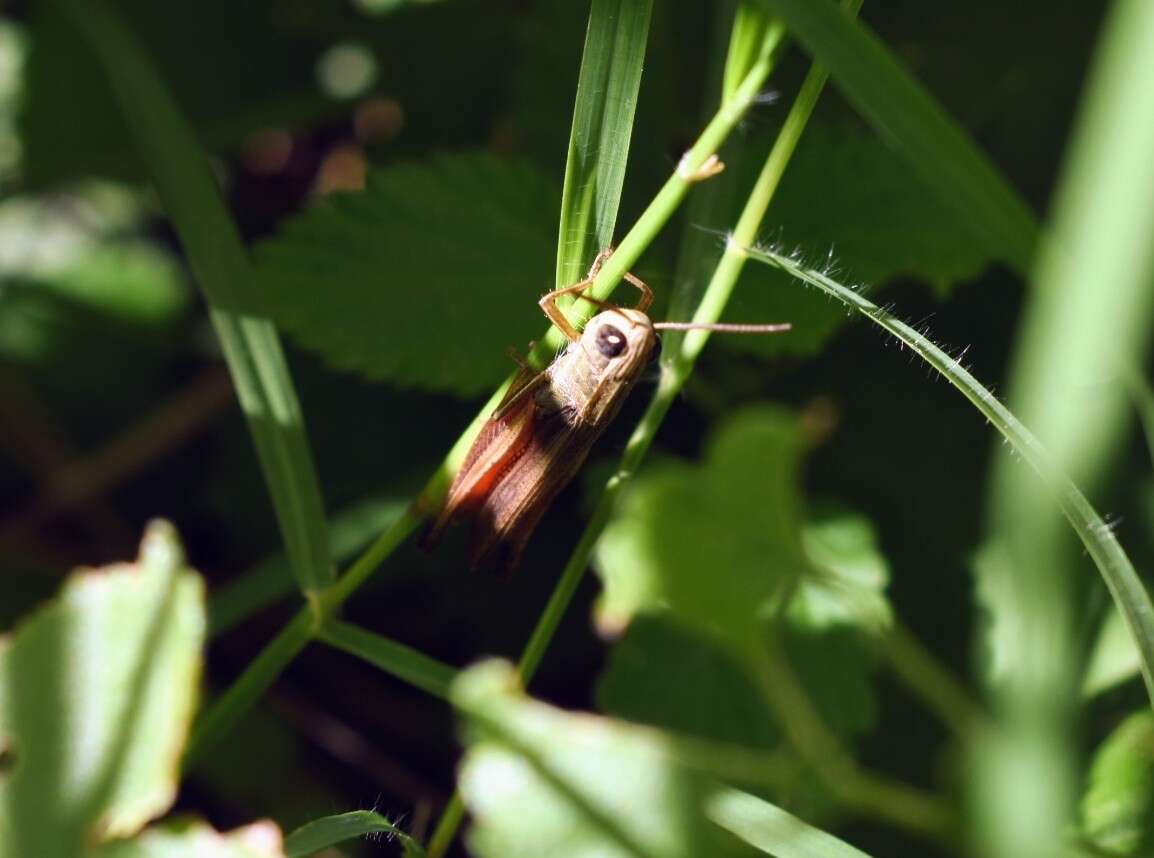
(699,557)
(539,781)
(661,674)
(715,542)
(71,266)
(850,203)
(911,121)
(424,279)
(96,695)
(602,129)
(1118,806)
(330,830)
(194,839)
(847,578)
(772,830)
(1114,658)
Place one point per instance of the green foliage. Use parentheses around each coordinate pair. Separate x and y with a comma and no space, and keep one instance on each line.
(96,695)
(680,520)
(424,279)
(1118,805)
(539,781)
(701,558)
(97,692)
(329,830)
(189,839)
(745,622)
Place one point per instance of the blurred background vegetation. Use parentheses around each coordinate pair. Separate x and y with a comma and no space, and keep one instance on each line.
(115,407)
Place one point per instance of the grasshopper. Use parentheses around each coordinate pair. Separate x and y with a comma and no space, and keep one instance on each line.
(536,441)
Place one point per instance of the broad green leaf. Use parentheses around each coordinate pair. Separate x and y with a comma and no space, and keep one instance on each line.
(662,674)
(195,839)
(1118,806)
(739,511)
(717,542)
(773,830)
(331,830)
(911,121)
(96,695)
(424,279)
(539,781)
(602,128)
(192,198)
(850,203)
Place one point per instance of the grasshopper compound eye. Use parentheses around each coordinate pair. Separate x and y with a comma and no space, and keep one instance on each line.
(610,341)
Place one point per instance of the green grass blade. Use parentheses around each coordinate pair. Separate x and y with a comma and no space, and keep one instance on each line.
(602,127)
(1103,547)
(1088,318)
(905,113)
(401,661)
(220,263)
(772,830)
(319,834)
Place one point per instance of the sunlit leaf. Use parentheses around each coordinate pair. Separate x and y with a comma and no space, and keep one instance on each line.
(96,694)
(194,839)
(539,781)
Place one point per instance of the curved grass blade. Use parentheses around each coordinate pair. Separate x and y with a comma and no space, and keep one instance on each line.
(320,834)
(602,127)
(1121,579)
(192,199)
(902,110)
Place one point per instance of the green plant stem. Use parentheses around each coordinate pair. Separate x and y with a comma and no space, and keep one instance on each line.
(868,792)
(247,689)
(942,693)
(451,818)
(1122,580)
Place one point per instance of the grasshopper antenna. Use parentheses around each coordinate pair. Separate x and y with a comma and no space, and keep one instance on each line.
(722,327)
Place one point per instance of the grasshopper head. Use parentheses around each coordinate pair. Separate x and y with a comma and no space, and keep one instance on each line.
(619,342)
